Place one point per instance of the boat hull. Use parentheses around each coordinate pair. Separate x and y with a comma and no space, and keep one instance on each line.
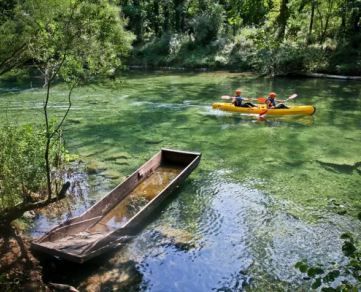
(82,238)
(293,110)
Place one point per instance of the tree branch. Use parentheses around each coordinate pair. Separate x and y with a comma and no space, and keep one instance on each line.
(10,214)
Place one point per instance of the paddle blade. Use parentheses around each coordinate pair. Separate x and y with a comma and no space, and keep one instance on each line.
(226,97)
(261,99)
(263,113)
(293,96)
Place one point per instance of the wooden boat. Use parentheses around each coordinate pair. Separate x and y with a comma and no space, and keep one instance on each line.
(110,221)
(292,110)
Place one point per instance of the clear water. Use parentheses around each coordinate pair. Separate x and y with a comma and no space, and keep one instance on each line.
(266,194)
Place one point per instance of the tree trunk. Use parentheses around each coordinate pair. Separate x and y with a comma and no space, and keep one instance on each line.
(282,20)
(356,15)
(156,17)
(166,18)
(312,16)
(10,214)
(178,11)
(183,21)
(138,21)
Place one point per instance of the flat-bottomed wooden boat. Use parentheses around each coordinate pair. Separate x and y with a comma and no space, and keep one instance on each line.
(110,221)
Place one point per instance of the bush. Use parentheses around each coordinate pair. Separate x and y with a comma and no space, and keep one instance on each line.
(22,163)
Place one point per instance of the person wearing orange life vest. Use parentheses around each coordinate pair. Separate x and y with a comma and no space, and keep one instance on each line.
(237,100)
(271,102)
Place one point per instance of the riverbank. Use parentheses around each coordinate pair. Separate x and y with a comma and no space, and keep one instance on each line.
(293,75)
(19,269)
(181,51)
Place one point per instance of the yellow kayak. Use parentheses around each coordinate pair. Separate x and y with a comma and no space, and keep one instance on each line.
(261,108)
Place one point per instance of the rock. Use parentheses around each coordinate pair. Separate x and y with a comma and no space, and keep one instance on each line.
(92,167)
(121,162)
(342,212)
(74,121)
(110,174)
(153,142)
(97,101)
(176,236)
(63,287)
(122,155)
(29,215)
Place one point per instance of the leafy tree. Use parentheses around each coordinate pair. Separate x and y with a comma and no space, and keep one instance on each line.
(71,40)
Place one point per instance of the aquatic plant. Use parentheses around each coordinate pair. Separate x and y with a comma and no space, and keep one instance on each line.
(339,276)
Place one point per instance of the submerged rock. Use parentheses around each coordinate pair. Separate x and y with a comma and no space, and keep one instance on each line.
(342,212)
(176,236)
(153,142)
(75,121)
(122,155)
(112,174)
(339,161)
(118,275)
(97,101)
(121,162)
(92,167)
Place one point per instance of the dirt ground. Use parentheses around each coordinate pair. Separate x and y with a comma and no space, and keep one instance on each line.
(19,270)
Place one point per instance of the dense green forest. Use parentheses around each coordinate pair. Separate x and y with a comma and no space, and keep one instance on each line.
(266,36)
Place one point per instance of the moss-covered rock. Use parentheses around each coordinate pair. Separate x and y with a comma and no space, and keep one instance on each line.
(176,236)
(92,167)
(111,174)
(74,121)
(122,162)
(117,156)
(97,101)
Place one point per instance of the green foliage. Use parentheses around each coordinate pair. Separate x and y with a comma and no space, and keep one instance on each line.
(85,37)
(74,40)
(22,164)
(207,26)
(315,36)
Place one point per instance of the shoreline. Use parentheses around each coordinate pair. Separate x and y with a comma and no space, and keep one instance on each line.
(302,75)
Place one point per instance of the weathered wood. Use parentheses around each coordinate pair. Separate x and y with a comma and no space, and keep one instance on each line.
(75,240)
(72,229)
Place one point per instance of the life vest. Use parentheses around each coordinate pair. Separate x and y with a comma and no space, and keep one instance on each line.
(271,100)
(239,100)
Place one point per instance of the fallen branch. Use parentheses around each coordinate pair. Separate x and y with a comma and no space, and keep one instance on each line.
(10,214)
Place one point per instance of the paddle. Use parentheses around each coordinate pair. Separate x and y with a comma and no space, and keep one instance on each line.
(264,112)
(260,99)
(263,99)
(230,97)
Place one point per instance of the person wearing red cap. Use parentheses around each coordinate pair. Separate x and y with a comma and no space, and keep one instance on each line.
(237,100)
(271,102)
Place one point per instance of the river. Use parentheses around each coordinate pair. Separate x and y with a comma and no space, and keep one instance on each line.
(267,193)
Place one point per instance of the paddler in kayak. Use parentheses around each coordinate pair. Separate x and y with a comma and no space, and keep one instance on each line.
(237,100)
(271,102)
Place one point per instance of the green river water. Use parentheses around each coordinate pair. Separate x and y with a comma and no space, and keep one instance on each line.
(267,193)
